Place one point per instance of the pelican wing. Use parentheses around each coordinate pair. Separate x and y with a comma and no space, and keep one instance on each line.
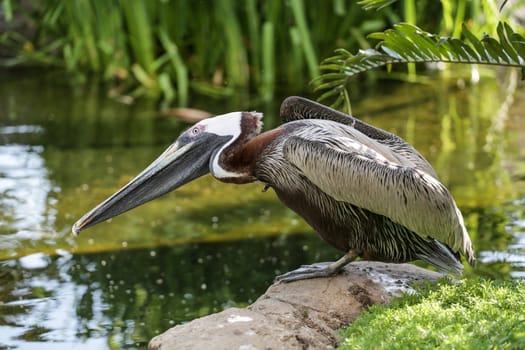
(367,175)
(298,108)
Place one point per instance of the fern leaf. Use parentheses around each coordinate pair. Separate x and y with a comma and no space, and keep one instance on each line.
(406,43)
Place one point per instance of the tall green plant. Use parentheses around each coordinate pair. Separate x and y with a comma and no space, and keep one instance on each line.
(7,8)
(141,39)
(167,49)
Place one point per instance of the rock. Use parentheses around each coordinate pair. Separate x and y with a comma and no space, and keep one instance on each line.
(298,315)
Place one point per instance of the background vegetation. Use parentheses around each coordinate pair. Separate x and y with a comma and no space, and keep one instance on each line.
(168,49)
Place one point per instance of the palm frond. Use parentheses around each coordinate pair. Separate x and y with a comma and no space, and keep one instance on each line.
(406,43)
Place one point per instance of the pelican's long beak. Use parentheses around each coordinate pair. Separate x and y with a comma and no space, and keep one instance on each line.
(178,165)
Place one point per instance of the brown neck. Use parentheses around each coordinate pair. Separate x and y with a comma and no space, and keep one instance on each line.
(242,160)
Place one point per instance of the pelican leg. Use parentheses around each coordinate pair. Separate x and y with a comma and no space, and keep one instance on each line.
(323,269)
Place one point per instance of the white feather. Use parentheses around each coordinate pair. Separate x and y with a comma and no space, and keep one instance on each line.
(225,125)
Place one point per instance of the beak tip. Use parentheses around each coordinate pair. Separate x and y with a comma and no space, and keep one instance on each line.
(76,229)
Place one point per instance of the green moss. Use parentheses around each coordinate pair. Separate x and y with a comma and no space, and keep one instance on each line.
(473,314)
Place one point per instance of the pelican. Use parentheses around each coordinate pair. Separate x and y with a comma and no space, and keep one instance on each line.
(365,191)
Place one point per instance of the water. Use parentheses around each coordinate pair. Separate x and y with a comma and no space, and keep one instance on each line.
(126,297)
(207,246)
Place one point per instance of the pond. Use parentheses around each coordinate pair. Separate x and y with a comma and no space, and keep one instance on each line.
(208,245)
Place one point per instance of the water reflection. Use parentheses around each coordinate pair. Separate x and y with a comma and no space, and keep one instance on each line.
(512,256)
(121,299)
(26,207)
(64,149)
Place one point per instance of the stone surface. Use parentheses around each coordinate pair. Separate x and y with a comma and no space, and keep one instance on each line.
(297,315)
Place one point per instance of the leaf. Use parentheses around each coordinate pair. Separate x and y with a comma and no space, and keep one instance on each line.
(328,94)
(503,30)
(179,67)
(518,43)
(477,46)
(406,43)
(375,4)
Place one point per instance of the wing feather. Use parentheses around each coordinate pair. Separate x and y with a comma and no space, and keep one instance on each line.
(366,176)
(296,108)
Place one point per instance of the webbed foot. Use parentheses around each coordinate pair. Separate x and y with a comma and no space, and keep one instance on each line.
(323,269)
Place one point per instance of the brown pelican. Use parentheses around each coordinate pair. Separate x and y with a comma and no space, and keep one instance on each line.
(366,191)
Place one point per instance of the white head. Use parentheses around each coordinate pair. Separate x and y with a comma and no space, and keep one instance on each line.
(238,126)
(199,150)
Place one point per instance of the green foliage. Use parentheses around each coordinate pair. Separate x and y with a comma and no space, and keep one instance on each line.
(7,8)
(407,43)
(375,4)
(473,314)
(168,48)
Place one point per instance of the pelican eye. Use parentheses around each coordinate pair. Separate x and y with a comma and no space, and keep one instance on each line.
(195,131)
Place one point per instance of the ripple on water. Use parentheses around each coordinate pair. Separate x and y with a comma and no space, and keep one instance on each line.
(24,195)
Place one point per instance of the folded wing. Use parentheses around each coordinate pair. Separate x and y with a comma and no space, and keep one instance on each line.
(299,108)
(364,172)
